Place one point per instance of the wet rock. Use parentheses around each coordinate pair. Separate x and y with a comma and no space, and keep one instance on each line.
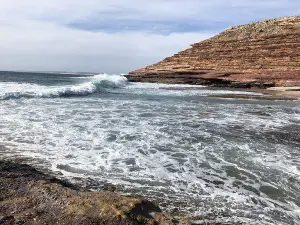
(7,220)
(272,192)
(218,182)
(109,187)
(36,198)
(28,196)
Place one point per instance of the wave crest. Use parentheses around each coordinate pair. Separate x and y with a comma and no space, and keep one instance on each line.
(98,83)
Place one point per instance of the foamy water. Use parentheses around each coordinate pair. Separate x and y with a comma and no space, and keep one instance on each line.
(237,160)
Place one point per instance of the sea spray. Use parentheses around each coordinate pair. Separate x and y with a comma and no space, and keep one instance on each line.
(97,83)
(235,160)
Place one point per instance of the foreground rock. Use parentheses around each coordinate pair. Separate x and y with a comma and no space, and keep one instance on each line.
(28,196)
(262,54)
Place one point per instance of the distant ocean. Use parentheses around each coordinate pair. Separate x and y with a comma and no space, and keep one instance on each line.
(229,160)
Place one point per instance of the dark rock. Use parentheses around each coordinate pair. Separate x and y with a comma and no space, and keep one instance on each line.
(7,220)
(109,187)
(218,182)
(37,198)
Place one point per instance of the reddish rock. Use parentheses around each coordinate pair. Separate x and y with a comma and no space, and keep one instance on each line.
(260,54)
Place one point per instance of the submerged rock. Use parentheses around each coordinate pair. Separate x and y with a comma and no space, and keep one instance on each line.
(261,54)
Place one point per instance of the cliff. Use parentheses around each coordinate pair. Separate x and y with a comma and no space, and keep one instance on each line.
(260,54)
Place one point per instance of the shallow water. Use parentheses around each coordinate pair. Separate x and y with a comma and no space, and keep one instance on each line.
(237,159)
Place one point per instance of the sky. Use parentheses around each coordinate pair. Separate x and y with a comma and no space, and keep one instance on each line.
(117,36)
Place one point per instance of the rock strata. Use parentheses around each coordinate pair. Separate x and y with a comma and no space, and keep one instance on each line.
(261,54)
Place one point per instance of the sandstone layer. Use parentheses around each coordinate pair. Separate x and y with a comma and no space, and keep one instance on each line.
(261,54)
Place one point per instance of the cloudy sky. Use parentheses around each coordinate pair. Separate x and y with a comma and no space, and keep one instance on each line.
(116,36)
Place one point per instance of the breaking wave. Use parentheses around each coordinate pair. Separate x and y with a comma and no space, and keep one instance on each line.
(97,83)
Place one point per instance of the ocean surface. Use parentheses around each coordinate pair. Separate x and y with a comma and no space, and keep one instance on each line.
(229,160)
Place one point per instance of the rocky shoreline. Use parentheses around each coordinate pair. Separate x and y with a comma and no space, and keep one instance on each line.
(32,197)
(28,196)
(270,92)
(258,55)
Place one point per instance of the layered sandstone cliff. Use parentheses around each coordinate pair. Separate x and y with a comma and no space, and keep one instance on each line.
(260,54)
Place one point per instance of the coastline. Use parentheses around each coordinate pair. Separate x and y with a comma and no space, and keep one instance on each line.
(292,92)
(280,93)
(262,54)
(94,208)
(28,196)
(269,92)
(276,93)
(258,55)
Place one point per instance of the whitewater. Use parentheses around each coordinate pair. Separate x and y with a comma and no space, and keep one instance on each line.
(97,83)
(226,160)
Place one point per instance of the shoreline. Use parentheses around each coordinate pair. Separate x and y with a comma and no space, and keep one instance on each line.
(292,92)
(280,93)
(28,196)
(84,200)
(271,92)
(276,93)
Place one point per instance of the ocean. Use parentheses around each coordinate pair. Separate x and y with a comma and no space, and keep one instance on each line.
(227,160)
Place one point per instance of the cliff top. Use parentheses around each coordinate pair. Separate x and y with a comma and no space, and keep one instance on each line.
(261,29)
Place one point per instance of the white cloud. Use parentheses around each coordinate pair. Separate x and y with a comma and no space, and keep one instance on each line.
(35,34)
(46,46)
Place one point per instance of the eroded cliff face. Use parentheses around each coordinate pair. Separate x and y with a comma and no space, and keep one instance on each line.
(261,54)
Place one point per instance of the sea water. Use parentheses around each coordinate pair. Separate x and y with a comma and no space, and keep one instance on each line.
(228,160)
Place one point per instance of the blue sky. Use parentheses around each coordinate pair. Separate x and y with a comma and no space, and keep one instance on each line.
(117,36)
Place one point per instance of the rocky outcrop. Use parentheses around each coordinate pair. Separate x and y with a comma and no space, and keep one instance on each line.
(260,54)
(28,196)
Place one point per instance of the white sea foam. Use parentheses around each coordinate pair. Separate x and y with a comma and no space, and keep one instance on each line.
(105,82)
(95,84)
(214,157)
(181,90)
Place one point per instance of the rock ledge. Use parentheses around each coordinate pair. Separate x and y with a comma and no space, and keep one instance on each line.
(28,196)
